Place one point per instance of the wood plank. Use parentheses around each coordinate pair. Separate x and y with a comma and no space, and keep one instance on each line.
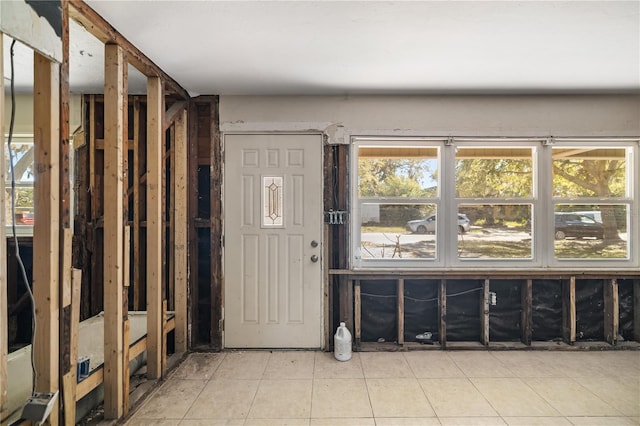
(526,320)
(100,28)
(126,258)
(95,379)
(114,110)
(346,302)
(400,310)
(92,152)
(357,308)
(46,231)
(193,220)
(173,114)
(169,190)
(4,311)
(126,331)
(216,224)
(155,143)
(137,285)
(69,381)
(442,310)
(164,338)
(484,313)
(180,232)
(569,310)
(611,311)
(636,310)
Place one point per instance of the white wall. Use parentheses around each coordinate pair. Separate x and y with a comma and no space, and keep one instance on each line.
(570,115)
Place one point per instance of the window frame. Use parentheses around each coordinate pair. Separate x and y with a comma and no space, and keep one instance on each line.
(541,200)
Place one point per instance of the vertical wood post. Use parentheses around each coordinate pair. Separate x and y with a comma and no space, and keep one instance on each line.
(137,282)
(215,194)
(442,309)
(357,295)
(346,302)
(526,312)
(636,310)
(611,311)
(114,112)
(155,143)
(180,231)
(400,311)
(4,313)
(484,313)
(192,210)
(46,231)
(569,310)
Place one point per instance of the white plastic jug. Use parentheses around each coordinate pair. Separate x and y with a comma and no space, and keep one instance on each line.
(342,343)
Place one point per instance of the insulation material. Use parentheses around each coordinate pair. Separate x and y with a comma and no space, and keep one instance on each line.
(625,306)
(463,310)
(379,305)
(504,317)
(420,309)
(589,310)
(547,310)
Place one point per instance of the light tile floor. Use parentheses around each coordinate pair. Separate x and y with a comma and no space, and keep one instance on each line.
(399,388)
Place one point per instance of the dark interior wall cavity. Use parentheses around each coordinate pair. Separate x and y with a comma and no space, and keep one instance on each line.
(626,308)
(589,310)
(463,310)
(547,310)
(421,309)
(379,311)
(505,316)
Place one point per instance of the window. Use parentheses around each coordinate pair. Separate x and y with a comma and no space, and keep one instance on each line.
(477,202)
(23,163)
(592,201)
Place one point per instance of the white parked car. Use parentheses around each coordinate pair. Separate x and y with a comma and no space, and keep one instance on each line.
(428,224)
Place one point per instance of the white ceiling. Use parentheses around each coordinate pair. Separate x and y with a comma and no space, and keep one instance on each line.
(370,47)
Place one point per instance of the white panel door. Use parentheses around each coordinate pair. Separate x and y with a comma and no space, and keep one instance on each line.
(273,230)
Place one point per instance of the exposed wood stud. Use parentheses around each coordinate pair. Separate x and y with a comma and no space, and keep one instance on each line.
(484,313)
(215,194)
(46,232)
(569,310)
(126,257)
(357,295)
(442,310)
(126,330)
(69,381)
(180,231)
(115,108)
(169,195)
(193,216)
(346,302)
(4,313)
(137,283)
(526,320)
(636,310)
(174,113)
(611,311)
(400,310)
(101,29)
(155,143)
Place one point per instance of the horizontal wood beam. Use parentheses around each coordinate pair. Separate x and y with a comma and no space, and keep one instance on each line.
(101,29)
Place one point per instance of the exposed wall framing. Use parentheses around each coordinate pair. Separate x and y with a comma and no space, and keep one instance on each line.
(515,298)
(205,223)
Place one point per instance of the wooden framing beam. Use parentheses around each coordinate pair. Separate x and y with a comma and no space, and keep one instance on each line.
(400,310)
(484,313)
(569,310)
(69,380)
(611,311)
(357,302)
(46,230)
(636,310)
(526,319)
(101,29)
(180,231)
(346,302)
(174,113)
(115,109)
(215,194)
(442,310)
(4,312)
(155,144)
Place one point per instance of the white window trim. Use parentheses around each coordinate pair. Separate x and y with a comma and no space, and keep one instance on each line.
(542,203)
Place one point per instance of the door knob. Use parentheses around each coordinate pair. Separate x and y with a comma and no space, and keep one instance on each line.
(314,244)
(314,258)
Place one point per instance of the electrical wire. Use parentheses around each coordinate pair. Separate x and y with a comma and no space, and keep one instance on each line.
(382,296)
(34,379)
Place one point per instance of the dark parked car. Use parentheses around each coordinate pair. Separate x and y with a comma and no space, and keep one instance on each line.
(578,226)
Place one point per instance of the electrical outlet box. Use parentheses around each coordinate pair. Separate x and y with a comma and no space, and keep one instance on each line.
(39,406)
